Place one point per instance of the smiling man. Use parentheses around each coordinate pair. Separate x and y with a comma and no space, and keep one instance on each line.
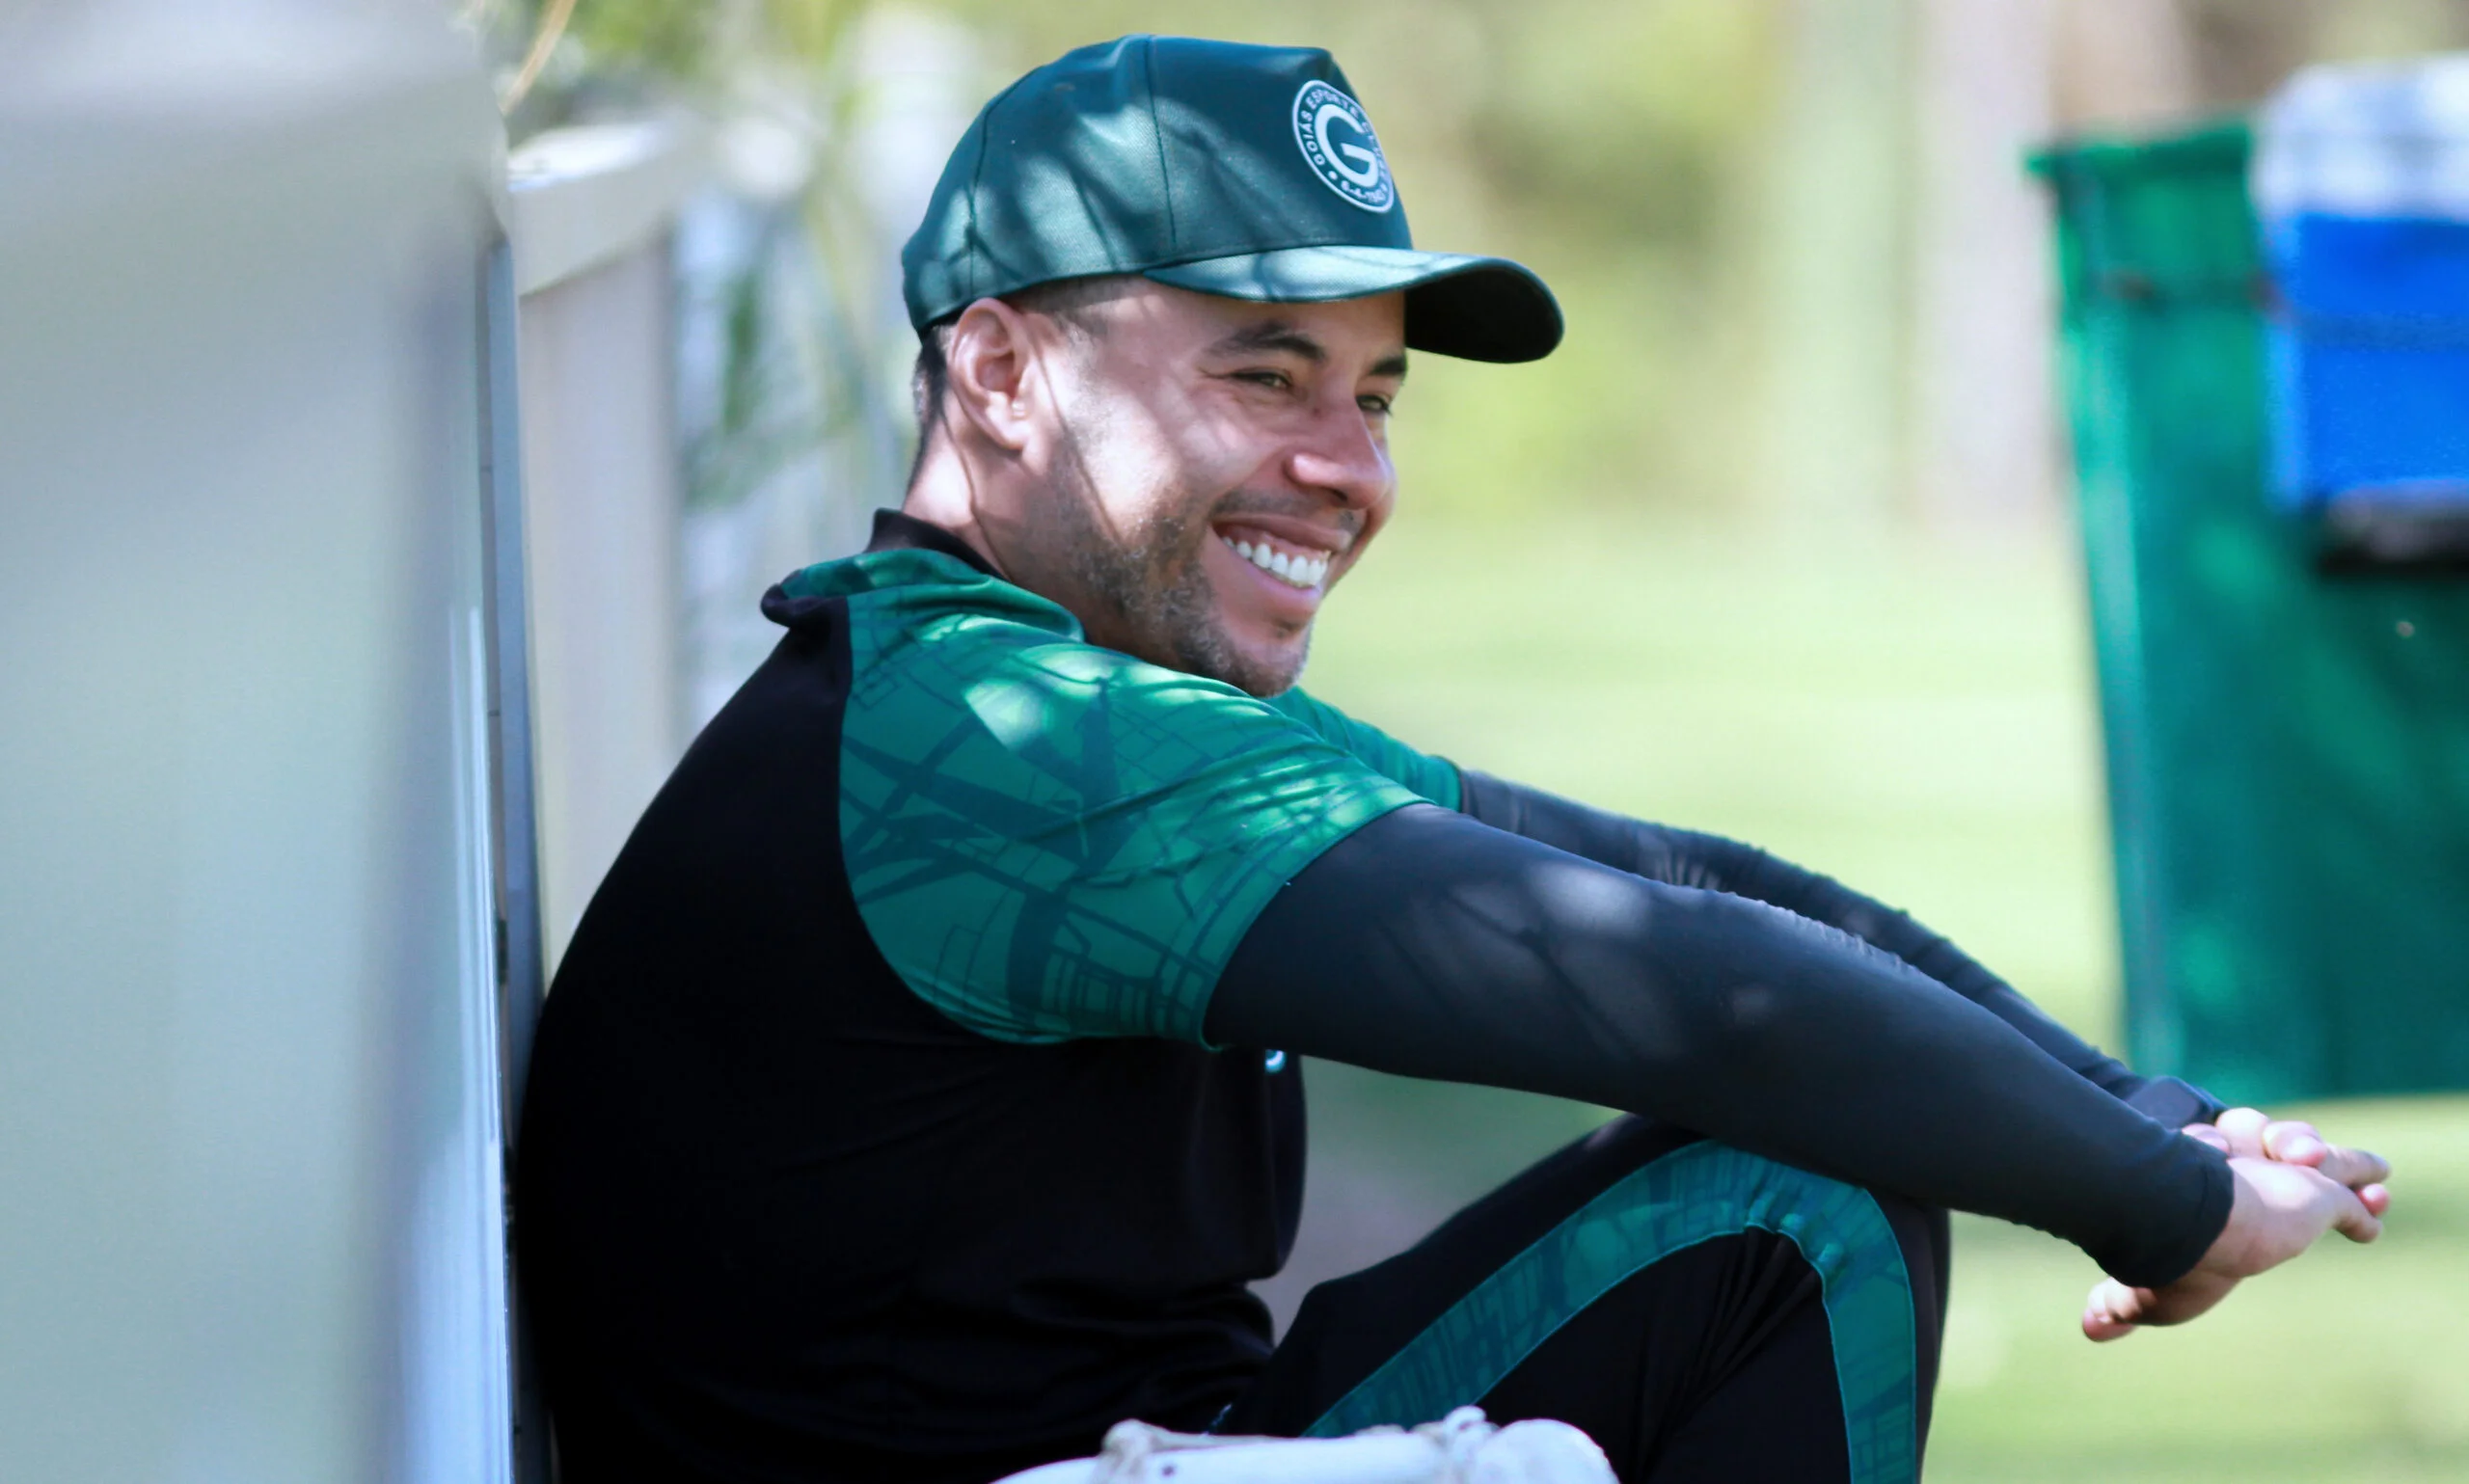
(919,1095)
(1205,507)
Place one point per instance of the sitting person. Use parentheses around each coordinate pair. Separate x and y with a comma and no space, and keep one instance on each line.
(922,1089)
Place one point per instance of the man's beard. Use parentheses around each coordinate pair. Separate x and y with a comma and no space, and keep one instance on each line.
(1153,579)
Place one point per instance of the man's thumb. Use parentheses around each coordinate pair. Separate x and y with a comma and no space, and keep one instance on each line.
(2113,1311)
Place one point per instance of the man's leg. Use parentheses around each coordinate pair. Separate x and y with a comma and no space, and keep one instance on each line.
(1701,1312)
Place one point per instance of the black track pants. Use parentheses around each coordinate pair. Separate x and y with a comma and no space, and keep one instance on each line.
(1702,1313)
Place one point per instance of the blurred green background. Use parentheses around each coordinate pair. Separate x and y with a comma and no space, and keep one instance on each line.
(1776,545)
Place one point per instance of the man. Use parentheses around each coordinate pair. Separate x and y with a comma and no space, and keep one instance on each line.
(919,1093)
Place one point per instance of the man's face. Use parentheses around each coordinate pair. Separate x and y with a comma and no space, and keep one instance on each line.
(1217,466)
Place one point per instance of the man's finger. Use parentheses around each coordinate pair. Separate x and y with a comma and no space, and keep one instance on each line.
(2111,1310)
(2355,1221)
(2353,1168)
(2207,1134)
(2374,1198)
(2243,1128)
(2295,1143)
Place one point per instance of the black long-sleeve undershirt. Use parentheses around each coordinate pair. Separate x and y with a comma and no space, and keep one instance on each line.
(1684,858)
(1429,944)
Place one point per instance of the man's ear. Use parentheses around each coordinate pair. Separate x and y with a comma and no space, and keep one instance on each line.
(991,372)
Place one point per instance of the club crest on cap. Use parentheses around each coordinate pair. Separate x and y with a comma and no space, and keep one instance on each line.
(1334,135)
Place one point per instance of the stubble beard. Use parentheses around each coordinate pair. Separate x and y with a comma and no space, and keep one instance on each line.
(1154,580)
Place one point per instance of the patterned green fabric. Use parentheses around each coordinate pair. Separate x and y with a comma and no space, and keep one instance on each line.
(1434,778)
(1690,1196)
(1049,840)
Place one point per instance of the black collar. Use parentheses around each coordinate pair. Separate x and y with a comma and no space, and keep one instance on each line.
(897,531)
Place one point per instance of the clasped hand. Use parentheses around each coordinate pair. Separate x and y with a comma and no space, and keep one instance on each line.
(2292,1186)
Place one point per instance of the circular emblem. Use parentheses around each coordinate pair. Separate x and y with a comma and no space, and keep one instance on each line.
(1336,137)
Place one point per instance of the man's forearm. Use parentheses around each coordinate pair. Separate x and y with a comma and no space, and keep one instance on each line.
(1429,945)
(1689,858)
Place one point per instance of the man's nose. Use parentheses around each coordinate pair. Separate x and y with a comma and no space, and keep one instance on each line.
(1344,458)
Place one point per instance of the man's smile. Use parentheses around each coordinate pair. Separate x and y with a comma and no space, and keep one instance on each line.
(1298,553)
(1293,568)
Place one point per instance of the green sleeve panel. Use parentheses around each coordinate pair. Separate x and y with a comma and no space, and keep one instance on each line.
(1049,840)
(1433,778)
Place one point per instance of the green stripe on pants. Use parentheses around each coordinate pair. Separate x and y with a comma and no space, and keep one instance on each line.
(1690,1196)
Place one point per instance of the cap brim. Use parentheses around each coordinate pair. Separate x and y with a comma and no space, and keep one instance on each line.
(1477,308)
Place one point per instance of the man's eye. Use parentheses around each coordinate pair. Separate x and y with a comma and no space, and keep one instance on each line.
(1275,381)
(1376,405)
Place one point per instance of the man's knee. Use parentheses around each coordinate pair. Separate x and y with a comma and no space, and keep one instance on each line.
(1676,1196)
(1881,1259)
(1639,1191)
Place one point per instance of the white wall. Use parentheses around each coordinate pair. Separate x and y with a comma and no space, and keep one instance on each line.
(591,209)
(249,1113)
(600,484)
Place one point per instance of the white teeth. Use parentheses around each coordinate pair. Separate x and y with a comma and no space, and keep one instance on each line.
(1305,571)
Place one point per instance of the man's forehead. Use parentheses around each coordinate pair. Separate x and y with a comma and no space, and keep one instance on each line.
(1371,328)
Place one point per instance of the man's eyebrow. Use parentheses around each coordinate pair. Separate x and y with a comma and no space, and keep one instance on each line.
(1271,335)
(1276,334)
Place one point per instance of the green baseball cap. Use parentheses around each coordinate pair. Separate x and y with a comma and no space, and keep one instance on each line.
(1248,172)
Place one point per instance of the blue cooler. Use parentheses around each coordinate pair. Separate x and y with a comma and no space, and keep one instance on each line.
(2361,182)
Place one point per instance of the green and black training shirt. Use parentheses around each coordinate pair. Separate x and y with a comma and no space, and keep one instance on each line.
(914,1101)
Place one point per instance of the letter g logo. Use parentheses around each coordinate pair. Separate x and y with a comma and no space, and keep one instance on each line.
(1334,135)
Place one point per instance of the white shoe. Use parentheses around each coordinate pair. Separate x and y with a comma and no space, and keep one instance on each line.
(1461,1449)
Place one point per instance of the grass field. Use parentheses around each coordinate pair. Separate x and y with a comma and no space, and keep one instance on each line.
(1916,718)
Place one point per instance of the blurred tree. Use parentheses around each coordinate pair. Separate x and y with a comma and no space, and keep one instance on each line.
(1982,433)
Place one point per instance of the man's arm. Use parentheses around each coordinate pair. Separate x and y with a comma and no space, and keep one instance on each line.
(1687,858)
(1429,945)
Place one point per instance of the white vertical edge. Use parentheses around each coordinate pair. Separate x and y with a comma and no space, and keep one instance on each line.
(519,977)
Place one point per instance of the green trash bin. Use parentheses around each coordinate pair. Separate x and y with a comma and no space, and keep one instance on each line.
(2288,750)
